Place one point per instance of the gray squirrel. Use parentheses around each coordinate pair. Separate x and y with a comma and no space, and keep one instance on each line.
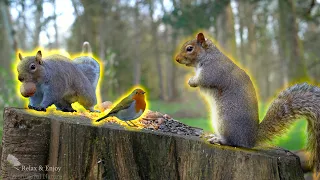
(58,80)
(234,105)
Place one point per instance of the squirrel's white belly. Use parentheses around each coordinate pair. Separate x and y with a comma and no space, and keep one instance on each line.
(209,96)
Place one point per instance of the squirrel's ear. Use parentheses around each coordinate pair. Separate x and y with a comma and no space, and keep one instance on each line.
(20,57)
(200,38)
(39,57)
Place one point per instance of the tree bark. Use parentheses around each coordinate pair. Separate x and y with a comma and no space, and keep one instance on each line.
(304,156)
(76,146)
(27,140)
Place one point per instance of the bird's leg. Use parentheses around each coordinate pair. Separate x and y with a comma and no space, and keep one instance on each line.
(133,124)
(127,123)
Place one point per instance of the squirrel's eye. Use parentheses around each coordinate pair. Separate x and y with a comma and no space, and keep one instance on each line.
(32,66)
(189,48)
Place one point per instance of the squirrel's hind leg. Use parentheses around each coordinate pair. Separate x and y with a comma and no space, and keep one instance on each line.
(215,139)
(87,98)
(230,140)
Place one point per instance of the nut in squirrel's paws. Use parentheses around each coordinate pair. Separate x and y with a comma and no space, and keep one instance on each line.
(192,82)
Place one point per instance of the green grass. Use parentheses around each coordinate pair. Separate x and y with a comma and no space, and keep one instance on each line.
(164,107)
(174,107)
(296,138)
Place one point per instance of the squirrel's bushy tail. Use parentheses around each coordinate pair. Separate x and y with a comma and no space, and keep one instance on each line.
(90,68)
(86,48)
(88,65)
(301,100)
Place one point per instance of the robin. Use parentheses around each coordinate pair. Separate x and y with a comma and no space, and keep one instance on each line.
(129,108)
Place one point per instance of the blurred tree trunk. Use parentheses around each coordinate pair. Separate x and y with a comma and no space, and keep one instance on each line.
(75,7)
(154,34)
(173,93)
(137,37)
(290,48)
(282,42)
(170,66)
(56,35)
(77,13)
(102,48)
(226,32)
(102,31)
(9,34)
(8,47)
(252,40)
(241,17)
(313,65)
(107,88)
(263,51)
(38,25)
(23,29)
(79,33)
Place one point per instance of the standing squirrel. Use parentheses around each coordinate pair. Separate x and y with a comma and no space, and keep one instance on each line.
(234,105)
(57,80)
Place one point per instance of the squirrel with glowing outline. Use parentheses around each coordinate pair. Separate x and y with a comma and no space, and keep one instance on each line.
(234,105)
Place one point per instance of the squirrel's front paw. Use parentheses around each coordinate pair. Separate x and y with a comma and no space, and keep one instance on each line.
(30,107)
(192,82)
(40,109)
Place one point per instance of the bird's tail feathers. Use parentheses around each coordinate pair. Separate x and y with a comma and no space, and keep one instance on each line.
(108,115)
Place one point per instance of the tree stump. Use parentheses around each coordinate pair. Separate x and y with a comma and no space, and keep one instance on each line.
(70,147)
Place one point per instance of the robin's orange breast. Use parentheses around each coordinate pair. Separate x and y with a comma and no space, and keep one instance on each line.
(140,104)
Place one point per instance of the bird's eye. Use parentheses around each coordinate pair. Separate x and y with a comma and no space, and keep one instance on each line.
(136,92)
(189,48)
(32,66)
